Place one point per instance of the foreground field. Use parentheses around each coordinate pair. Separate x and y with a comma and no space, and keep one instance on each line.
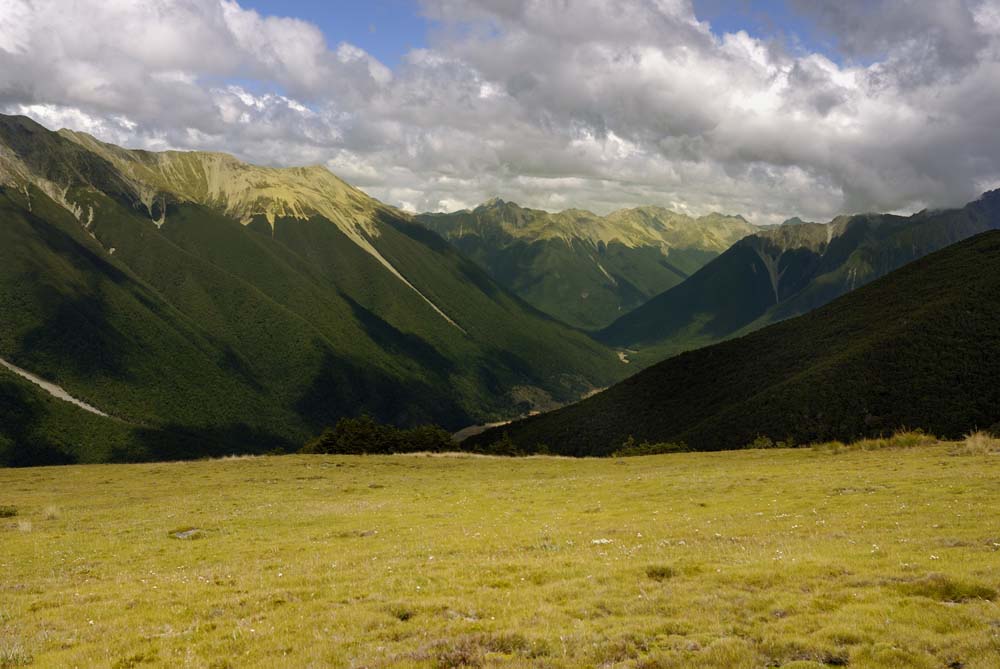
(791,558)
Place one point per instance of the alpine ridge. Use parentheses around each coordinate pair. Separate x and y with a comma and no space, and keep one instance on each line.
(786,271)
(915,349)
(209,306)
(581,268)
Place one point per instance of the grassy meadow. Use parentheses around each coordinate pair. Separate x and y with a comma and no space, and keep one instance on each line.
(830,556)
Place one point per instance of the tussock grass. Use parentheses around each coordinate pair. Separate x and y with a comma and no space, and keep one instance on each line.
(880,559)
(978,443)
(660,572)
(946,589)
(901,439)
(13,654)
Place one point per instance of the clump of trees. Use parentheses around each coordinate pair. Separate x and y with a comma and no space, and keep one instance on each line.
(630,448)
(364,436)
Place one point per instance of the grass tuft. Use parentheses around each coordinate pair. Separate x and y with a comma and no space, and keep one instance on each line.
(978,443)
(7,511)
(402,613)
(660,572)
(13,654)
(899,440)
(942,588)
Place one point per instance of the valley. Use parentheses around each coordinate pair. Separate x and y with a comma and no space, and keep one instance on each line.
(220,307)
(583,269)
(783,272)
(469,334)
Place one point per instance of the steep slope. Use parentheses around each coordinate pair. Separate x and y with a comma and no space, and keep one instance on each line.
(919,348)
(216,306)
(584,269)
(787,271)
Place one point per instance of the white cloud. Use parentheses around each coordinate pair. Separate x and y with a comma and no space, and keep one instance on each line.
(593,103)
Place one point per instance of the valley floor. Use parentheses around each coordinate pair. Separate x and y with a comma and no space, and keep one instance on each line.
(790,558)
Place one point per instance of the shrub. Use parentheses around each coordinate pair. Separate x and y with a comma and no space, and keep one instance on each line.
(504,446)
(363,435)
(761,442)
(631,449)
(7,511)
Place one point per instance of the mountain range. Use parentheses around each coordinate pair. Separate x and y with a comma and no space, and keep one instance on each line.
(587,270)
(918,348)
(781,272)
(207,306)
(180,304)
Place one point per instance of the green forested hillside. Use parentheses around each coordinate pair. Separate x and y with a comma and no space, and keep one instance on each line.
(787,271)
(210,305)
(918,348)
(584,269)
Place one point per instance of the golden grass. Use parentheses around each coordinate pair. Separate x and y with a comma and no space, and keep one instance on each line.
(978,443)
(901,439)
(785,558)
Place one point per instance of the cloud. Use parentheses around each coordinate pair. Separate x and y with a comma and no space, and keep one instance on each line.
(592,103)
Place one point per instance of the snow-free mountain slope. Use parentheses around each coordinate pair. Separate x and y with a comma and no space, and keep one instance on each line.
(786,271)
(918,348)
(581,268)
(245,308)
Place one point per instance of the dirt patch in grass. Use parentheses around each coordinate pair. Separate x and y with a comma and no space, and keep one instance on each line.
(187,533)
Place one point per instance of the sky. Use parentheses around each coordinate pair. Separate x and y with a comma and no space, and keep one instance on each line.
(769,109)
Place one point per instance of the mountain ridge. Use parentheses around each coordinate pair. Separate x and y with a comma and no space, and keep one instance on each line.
(239,316)
(582,268)
(916,348)
(786,271)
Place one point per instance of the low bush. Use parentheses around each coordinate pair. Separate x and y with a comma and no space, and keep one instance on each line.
(631,449)
(763,441)
(364,435)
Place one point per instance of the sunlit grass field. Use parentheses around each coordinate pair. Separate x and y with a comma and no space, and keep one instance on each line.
(765,558)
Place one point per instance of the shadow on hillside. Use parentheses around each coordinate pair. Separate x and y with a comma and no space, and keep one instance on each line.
(397,342)
(343,389)
(20,444)
(183,442)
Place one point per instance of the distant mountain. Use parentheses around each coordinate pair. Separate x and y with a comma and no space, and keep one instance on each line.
(212,306)
(918,348)
(584,269)
(786,271)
